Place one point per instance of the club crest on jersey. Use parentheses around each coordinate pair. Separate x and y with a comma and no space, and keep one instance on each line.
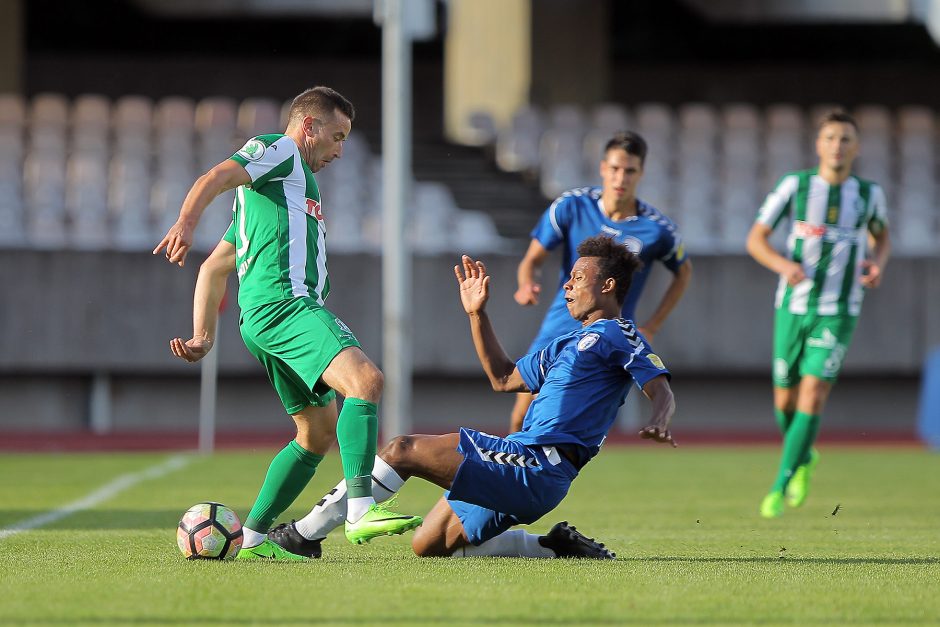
(253,150)
(588,341)
(656,361)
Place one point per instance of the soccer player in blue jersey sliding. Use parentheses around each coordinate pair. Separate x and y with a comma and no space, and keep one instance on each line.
(613,210)
(496,483)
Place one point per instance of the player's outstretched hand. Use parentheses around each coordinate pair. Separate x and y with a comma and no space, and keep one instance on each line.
(659,434)
(191,350)
(474,284)
(177,242)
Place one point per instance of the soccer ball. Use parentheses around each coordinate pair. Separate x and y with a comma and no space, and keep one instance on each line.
(209,531)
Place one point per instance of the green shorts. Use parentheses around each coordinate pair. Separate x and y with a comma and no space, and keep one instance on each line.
(808,344)
(295,340)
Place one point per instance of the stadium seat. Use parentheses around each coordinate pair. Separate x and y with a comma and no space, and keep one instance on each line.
(432,220)
(129,202)
(560,165)
(257,116)
(132,124)
(86,200)
(50,111)
(479,129)
(517,145)
(475,233)
(44,195)
(12,111)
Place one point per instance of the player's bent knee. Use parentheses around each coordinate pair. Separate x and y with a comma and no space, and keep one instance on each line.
(398,450)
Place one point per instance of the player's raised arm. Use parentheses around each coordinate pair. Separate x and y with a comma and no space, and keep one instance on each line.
(474,285)
(664,406)
(221,178)
(528,272)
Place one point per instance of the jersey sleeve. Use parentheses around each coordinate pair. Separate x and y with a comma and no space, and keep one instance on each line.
(532,367)
(673,254)
(879,211)
(777,204)
(266,158)
(635,356)
(230,234)
(552,228)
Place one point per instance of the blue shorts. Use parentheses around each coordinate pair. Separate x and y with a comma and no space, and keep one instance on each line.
(502,483)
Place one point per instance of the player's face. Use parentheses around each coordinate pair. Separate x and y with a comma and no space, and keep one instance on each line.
(621,173)
(837,146)
(323,139)
(584,290)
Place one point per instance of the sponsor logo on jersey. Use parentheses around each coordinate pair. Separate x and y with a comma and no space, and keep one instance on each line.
(830,233)
(314,209)
(253,150)
(588,341)
(633,244)
(680,252)
(656,361)
(611,230)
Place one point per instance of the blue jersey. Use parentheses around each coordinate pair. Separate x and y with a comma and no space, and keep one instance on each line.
(582,379)
(576,216)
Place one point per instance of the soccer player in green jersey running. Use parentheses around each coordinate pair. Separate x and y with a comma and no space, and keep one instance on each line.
(834,217)
(277,244)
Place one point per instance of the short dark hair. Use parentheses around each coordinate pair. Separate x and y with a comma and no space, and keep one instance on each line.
(320,101)
(837,115)
(629,141)
(615,261)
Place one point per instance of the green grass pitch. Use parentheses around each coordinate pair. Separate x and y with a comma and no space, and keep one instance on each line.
(691,548)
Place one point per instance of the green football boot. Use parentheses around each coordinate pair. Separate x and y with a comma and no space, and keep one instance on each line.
(268,550)
(772,505)
(380,521)
(798,487)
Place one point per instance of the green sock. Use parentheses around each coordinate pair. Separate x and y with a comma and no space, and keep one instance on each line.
(357,431)
(796,446)
(784,418)
(289,473)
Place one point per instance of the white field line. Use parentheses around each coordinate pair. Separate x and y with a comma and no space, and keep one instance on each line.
(100,495)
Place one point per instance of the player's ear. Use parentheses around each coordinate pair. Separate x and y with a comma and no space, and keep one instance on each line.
(311,125)
(610,284)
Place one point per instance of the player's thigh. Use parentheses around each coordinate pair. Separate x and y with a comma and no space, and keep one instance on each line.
(440,534)
(353,374)
(826,344)
(433,458)
(787,348)
(295,341)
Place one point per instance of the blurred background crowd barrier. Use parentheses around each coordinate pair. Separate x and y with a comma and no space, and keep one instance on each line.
(102,134)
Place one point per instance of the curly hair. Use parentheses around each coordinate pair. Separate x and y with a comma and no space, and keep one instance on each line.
(615,261)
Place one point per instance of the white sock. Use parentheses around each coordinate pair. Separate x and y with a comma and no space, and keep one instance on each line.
(357,506)
(330,512)
(252,538)
(512,543)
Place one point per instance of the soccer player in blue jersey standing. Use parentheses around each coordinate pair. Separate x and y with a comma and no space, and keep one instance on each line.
(615,211)
(494,483)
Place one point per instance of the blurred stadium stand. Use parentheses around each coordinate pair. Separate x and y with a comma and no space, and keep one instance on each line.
(103,135)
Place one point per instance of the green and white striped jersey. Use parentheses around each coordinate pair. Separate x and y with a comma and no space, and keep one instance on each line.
(278,229)
(829,226)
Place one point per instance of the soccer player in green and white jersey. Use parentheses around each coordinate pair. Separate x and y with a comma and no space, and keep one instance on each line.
(277,244)
(834,217)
